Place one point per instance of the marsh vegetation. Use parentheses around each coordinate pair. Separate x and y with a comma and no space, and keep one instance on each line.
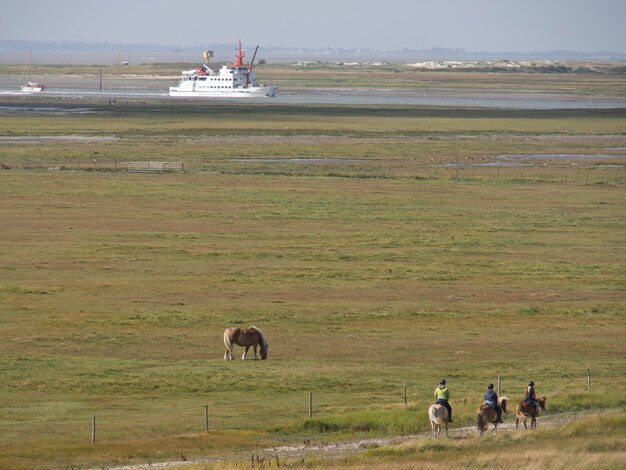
(341,233)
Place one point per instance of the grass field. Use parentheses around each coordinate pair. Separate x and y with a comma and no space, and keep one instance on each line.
(375,268)
(596,442)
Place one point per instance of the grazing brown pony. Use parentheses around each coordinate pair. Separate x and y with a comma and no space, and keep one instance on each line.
(525,410)
(486,415)
(438,415)
(245,337)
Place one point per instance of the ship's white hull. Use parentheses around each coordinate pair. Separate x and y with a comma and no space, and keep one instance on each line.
(250,92)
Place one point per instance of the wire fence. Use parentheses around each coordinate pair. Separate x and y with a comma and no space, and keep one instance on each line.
(563,173)
(218,412)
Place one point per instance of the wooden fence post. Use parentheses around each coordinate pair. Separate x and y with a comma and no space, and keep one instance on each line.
(310,405)
(498,384)
(404,394)
(93,429)
(588,380)
(206,418)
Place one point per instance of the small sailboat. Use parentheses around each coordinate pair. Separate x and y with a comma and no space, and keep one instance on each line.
(31,87)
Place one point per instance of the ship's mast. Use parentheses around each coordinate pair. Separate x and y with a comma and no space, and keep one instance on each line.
(240,54)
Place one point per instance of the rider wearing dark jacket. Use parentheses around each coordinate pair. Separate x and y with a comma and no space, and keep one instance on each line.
(491,399)
(531,397)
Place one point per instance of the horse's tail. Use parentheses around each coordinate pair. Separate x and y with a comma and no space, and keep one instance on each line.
(480,421)
(227,341)
(432,414)
(520,412)
(263,340)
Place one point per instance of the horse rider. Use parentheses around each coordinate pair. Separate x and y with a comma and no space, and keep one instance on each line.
(491,399)
(442,395)
(530,396)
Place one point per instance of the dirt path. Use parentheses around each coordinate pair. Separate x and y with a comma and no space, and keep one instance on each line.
(342,448)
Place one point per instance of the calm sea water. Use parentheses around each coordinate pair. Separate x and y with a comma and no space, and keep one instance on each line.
(138,89)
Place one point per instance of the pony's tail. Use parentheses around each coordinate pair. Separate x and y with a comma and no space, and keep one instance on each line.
(480,421)
(227,342)
(263,340)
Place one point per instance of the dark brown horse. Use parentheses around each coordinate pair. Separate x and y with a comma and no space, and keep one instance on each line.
(486,415)
(525,410)
(245,337)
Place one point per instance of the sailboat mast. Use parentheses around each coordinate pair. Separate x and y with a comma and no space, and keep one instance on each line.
(30,63)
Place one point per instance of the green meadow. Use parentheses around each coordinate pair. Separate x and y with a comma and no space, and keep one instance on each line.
(339,231)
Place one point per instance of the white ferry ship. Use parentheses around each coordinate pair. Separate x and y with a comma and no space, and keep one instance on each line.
(236,80)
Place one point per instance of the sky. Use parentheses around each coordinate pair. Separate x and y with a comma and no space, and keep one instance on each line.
(473,25)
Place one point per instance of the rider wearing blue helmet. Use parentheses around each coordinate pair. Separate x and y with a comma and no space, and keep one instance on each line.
(491,399)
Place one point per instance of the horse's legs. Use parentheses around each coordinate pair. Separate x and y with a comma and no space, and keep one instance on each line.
(516,422)
(446,429)
(495,427)
(254,348)
(245,352)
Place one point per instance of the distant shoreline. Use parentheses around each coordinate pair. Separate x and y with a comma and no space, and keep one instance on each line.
(105,53)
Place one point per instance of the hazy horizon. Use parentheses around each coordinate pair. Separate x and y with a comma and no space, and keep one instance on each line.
(481,25)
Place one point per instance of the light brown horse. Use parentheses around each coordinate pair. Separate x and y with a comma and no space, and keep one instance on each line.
(438,415)
(245,337)
(525,410)
(486,415)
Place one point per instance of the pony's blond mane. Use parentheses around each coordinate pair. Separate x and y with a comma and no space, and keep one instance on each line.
(264,344)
